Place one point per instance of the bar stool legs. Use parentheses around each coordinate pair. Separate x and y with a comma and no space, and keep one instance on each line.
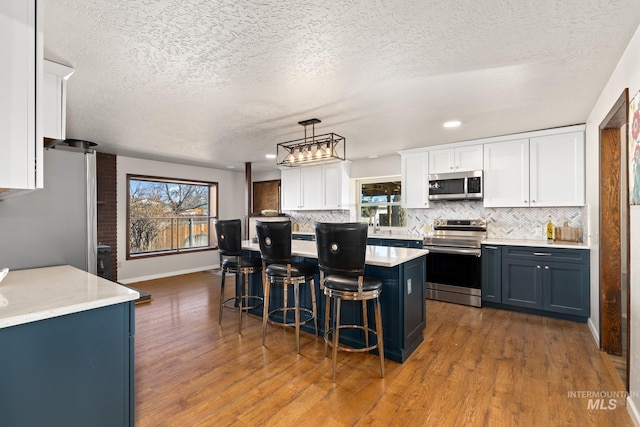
(332,331)
(244,300)
(286,308)
(379,334)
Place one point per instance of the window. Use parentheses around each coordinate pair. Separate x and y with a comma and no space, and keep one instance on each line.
(166,216)
(379,202)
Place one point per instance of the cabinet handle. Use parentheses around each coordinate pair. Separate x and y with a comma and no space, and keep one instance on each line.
(542,254)
(538,266)
(533,201)
(525,201)
(491,247)
(546,267)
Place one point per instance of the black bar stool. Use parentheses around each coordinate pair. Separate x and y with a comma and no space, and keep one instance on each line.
(275,248)
(229,234)
(341,259)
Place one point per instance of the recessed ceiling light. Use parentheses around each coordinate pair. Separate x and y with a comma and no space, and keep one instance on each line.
(231,167)
(373,157)
(452,124)
(270,156)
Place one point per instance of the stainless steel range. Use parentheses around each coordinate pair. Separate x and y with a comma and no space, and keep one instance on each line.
(454,263)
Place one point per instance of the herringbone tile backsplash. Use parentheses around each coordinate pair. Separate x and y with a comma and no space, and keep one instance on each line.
(502,223)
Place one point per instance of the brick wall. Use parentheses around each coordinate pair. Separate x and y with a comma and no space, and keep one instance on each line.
(107,203)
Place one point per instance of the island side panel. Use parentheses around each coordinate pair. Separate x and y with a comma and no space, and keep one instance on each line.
(75,369)
(403,306)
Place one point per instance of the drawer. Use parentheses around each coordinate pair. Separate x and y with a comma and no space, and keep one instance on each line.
(579,256)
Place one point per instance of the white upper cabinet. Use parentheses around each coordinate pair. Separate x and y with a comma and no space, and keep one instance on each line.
(557,170)
(20,138)
(53,99)
(290,189)
(540,171)
(336,185)
(459,159)
(506,173)
(415,176)
(319,187)
(312,187)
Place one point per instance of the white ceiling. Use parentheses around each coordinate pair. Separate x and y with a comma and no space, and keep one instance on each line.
(220,83)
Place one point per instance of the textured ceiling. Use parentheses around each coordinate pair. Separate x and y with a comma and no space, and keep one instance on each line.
(220,83)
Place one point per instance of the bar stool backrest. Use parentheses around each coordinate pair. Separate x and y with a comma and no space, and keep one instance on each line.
(341,248)
(275,241)
(229,232)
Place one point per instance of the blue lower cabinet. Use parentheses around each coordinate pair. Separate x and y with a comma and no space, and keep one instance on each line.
(72,370)
(563,288)
(491,274)
(548,280)
(397,243)
(309,237)
(376,241)
(522,284)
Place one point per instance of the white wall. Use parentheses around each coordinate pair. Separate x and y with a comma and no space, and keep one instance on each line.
(270,175)
(626,74)
(230,205)
(381,166)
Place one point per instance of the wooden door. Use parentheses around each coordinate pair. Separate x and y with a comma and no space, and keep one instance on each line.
(614,237)
(610,256)
(266,195)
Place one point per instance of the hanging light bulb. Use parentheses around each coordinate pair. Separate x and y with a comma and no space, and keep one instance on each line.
(290,158)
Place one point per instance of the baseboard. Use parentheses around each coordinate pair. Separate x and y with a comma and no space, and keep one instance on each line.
(167,274)
(594,331)
(632,409)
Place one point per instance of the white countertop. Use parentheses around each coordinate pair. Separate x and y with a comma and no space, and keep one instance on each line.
(536,243)
(382,256)
(42,293)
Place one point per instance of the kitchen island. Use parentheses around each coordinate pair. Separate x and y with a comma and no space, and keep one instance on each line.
(402,272)
(66,349)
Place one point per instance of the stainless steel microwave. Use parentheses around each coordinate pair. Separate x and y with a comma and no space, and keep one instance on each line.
(456,186)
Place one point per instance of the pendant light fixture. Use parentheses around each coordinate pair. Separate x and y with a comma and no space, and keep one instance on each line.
(314,149)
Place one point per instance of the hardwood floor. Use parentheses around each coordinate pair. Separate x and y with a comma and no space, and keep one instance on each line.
(476,367)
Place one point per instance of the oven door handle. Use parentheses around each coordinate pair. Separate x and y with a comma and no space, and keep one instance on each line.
(453,250)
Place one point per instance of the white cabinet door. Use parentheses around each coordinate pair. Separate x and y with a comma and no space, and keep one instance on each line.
(415,174)
(441,161)
(336,185)
(468,158)
(21,53)
(312,187)
(315,187)
(53,99)
(557,170)
(290,189)
(459,159)
(506,173)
